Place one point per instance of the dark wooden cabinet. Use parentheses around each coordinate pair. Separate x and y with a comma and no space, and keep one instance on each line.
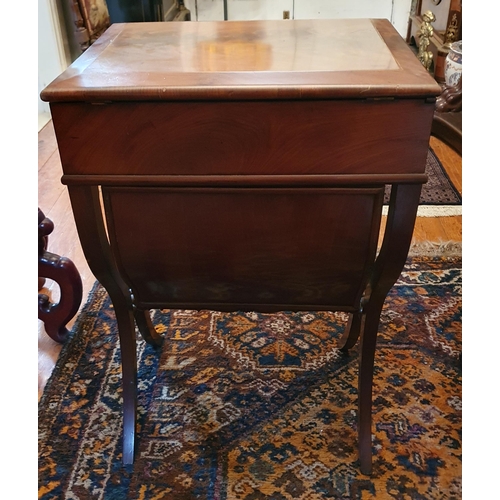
(241,165)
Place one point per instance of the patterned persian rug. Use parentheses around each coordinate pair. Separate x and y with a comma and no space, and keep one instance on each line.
(262,406)
(439,196)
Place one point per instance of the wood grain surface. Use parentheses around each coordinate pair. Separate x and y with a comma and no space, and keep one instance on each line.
(294,59)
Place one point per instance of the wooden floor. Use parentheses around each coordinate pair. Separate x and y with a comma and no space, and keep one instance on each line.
(53,200)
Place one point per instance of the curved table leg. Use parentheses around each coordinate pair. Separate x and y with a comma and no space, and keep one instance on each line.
(90,224)
(365,383)
(352,331)
(388,266)
(146,328)
(126,332)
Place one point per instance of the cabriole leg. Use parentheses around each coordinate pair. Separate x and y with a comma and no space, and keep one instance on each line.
(146,328)
(352,331)
(126,331)
(365,383)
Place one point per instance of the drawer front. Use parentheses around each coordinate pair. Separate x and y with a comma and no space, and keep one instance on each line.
(248,137)
(244,248)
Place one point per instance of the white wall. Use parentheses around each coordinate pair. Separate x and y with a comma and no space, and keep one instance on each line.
(51,55)
(440,11)
(397,11)
(252,10)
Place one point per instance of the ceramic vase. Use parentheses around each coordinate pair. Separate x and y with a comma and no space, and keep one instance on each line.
(453,65)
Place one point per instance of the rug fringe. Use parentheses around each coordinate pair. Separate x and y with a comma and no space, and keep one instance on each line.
(433,210)
(438,249)
(439,211)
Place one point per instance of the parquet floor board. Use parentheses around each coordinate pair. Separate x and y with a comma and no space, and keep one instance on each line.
(47,145)
(50,189)
(54,202)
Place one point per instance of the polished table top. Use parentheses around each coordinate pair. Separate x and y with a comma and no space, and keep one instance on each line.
(229,60)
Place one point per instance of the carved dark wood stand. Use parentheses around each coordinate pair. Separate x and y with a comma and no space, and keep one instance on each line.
(447,123)
(63,271)
(246,175)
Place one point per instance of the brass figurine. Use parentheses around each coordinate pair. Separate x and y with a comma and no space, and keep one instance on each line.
(451,34)
(425,33)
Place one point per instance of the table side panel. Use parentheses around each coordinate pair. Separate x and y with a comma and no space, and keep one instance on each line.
(245,248)
(247,137)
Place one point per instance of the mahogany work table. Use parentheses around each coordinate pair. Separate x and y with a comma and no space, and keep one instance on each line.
(242,166)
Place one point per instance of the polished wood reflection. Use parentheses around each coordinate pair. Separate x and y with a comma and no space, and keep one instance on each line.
(295,59)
